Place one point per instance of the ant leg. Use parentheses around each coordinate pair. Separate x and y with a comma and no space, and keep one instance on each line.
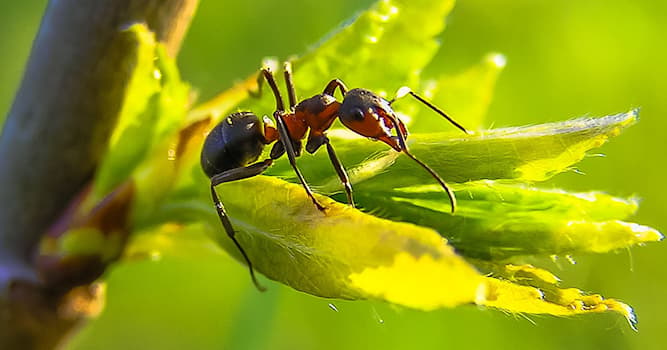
(406,90)
(289,149)
(233,175)
(284,134)
(340,170)
(224,218)
(291,92)
(241,173)
(315,141)
(331,87)
(266,74)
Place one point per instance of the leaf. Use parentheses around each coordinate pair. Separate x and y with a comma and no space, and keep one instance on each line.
(527,289)
(155,102)
(530,153)
(498,221)
(92,232)
(570,301)
(383,36)
(338,253)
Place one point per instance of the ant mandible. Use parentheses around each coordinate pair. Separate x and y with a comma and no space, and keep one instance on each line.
(233,146)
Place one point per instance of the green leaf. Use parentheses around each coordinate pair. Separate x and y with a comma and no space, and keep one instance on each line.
(341,253)
(498,221)
(155,103)
(530,153)
(384,36)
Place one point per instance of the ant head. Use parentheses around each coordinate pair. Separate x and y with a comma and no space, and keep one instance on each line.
(368,114)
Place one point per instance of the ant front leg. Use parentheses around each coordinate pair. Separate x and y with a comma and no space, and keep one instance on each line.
(233,175)
(314,143)
(291,156)
(284,134)
(283,131)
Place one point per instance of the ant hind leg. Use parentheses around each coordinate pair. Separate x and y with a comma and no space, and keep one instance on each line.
(233,175)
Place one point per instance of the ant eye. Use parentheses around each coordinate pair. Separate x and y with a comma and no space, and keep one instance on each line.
(357,114)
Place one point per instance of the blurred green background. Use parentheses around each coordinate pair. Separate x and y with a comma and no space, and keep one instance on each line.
(565,59)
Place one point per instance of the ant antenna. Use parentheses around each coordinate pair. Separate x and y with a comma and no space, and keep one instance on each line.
(443,184)
(406,90)
(400,133)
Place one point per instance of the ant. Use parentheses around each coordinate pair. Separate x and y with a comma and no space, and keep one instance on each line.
(233,146)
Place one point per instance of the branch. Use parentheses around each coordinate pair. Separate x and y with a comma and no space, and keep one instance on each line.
(56,133)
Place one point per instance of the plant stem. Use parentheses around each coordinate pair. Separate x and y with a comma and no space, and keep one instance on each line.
(55,135)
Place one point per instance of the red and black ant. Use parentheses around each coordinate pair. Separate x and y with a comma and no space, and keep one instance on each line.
(233,146)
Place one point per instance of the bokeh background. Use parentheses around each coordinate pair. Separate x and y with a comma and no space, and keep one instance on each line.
(565,59)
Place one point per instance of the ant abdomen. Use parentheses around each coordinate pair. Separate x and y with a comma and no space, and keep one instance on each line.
(235,142)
